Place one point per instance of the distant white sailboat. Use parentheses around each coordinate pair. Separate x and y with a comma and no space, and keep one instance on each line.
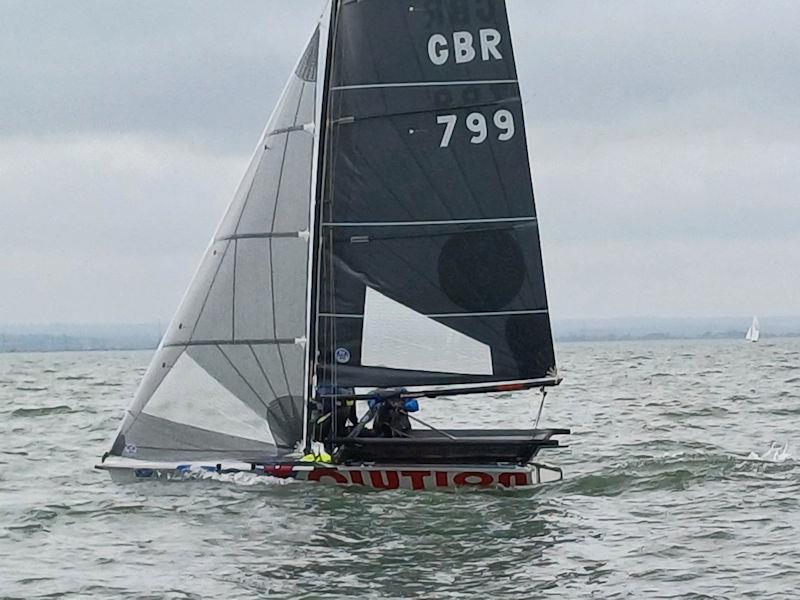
(753,333)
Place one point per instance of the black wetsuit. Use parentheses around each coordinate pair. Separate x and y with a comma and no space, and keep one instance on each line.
(391,420)
(340,412)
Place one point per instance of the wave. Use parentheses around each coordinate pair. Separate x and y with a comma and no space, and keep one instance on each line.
(776,453)
(673,473)
(706,411)
(677,472)
(240,478)
(41,411)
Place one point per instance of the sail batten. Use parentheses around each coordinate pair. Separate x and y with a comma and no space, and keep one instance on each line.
(525,219)
(402,84)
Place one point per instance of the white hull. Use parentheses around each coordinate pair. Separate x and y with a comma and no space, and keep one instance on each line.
(383,477)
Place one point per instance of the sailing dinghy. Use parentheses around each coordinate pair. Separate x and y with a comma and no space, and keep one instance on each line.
(382,249)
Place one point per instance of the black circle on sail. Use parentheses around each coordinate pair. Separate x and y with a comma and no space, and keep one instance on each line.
(481,270)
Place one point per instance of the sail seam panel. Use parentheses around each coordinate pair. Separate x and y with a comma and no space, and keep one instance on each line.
(263,372)
(293,128)
(497,351)
(429,223)
(196,449)
(506,313)
(259,235)
(243,378)
(403,84)
(195,427)
(374,237)
(207,294)
(261,342)
(351,119)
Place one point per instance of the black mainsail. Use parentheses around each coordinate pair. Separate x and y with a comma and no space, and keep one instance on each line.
(430,272)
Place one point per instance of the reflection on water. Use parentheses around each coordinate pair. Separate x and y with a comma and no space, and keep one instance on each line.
(681,482)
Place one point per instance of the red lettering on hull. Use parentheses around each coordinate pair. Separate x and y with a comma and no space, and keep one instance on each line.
(282,471)
(417,478)
(513,479)
(377,478)
(473,478)
(317,474)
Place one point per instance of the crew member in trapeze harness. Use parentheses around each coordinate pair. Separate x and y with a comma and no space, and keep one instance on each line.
(391,414)
(387,411)
(328,409)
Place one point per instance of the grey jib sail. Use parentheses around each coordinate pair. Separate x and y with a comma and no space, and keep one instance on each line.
(431,271)
(228,378)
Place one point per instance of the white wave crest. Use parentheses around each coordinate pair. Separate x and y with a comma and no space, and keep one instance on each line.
(237,478)
(776,453)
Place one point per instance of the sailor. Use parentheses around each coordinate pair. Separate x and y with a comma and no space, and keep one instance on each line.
(333,417)
(391,418)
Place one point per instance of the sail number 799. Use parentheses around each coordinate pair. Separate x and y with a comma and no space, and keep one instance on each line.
(476,123)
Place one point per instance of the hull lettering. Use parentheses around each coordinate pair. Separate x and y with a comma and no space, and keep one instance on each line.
(318,474)
(513,479)
(392,481)
(473,478)
(417,478)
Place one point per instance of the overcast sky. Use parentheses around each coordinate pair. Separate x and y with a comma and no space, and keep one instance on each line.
(665,139)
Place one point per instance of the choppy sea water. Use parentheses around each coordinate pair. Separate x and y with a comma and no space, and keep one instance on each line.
(681,481)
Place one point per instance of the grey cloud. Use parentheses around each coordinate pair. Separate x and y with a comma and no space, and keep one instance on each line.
(200,70)
(665,140)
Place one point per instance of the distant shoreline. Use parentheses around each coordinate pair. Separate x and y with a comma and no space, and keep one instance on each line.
(38,343)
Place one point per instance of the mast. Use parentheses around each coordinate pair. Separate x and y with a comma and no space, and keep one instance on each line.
(317,207)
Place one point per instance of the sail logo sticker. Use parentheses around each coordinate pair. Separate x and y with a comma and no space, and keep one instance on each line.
(130,450)
(342,355)
(463,47)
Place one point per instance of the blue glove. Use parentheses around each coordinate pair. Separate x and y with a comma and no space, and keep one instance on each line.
(412,405)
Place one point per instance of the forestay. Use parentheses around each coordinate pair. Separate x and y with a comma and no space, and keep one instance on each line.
(431,272)
(228,377)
